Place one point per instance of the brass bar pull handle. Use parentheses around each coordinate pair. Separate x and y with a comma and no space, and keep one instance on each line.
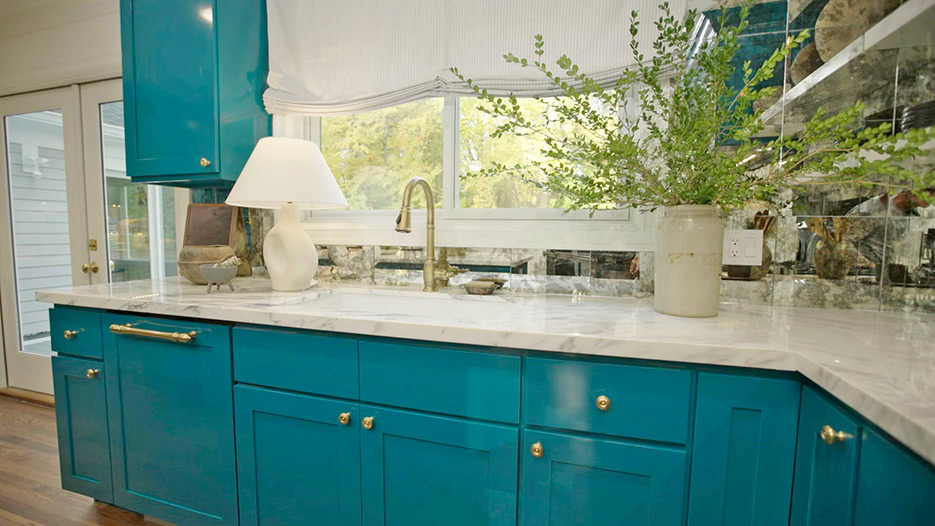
(830,436)
(178,337)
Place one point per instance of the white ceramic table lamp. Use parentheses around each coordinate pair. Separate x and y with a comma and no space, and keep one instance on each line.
(290,174)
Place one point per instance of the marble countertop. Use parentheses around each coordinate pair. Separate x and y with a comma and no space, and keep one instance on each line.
(880,364)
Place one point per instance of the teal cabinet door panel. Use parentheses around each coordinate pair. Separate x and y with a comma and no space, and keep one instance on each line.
(893,486)
(170,86)
(461,383)
(600,482)
(825,474)
(171,421)
(297,361)
(298,463)
(421,470)
(642,402)
(81,419)
(743,450)
(194,73)
(76,332)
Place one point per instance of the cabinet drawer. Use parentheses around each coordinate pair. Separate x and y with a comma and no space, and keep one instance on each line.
(639,402)
(76,332)
(462,383)
(296,361)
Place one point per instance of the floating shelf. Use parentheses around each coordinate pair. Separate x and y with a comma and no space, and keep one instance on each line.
(865,69)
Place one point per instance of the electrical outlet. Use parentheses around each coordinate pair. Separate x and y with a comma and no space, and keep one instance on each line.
(743,247)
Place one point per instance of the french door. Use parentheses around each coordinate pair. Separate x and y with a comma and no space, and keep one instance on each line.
(69,215)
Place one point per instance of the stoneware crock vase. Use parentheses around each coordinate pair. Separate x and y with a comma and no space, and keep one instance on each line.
(689,245)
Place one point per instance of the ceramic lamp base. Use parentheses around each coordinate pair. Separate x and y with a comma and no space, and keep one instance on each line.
(290,255)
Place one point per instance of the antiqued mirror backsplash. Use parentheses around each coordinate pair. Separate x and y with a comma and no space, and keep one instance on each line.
(790,280)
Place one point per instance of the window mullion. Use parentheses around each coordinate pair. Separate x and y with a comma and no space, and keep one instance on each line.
(450,138)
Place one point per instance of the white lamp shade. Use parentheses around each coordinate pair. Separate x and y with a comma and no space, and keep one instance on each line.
(282,170)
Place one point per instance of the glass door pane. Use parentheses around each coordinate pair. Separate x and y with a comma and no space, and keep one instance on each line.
(140,218)
(39,211)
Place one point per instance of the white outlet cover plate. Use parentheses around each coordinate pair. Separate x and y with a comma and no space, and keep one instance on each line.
(743,247)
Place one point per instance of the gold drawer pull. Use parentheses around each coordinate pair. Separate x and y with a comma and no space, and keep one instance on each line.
(70,335)
(830,436)
(92,373)
(603,403)
(205,162)
(367,422)
(178,337)
(344,418)
(537,450)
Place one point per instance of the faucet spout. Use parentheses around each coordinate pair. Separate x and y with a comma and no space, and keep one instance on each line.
(404,225)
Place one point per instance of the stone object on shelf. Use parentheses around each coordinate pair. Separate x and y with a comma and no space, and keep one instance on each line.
(843,21)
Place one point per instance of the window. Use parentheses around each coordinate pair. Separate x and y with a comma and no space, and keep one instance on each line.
(447,141)
(374,154)
(478,150)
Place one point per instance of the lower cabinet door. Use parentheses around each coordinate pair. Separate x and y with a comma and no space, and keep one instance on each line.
(298,459)
(171,412)
(597,482)
(894,487)
(81,418)
(743,450)
(823,489)
(423,470)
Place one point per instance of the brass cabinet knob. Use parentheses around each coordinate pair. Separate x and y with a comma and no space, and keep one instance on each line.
(90,267)
(205,162)
(92,373)
(537,450)
(603,403)
(344,418)
(367,422)
(830,436)
(70,335)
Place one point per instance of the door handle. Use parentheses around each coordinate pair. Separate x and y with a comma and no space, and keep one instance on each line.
(90,267)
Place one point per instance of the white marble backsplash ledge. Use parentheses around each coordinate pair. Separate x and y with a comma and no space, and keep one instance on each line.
(879,363)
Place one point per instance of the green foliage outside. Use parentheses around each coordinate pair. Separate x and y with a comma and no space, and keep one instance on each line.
(672,150)
(374,154)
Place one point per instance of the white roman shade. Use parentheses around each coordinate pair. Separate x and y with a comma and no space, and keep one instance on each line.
(331,57)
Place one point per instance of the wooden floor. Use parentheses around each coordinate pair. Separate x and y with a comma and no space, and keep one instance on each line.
(30,484)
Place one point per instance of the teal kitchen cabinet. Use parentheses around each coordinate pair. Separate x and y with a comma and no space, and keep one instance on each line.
(170,410)
(825,464)
(893,486)
(589,481)
(298,459)
(743,450)
(425,470)
(81,420)
(193,77)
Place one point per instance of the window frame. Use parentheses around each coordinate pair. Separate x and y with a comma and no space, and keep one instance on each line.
(530,228)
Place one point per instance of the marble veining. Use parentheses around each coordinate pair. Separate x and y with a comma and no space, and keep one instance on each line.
(882,364)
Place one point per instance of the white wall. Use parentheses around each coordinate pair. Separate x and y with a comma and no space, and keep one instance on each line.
(52,43)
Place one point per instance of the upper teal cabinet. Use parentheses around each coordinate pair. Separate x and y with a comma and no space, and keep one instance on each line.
(193,79)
